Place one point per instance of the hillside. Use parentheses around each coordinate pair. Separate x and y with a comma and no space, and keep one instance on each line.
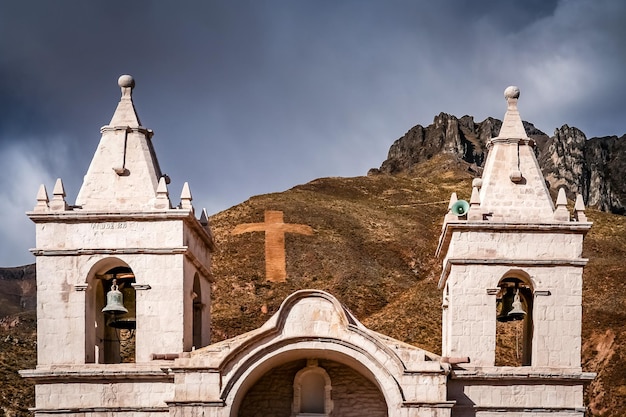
(373,248)
(17,338)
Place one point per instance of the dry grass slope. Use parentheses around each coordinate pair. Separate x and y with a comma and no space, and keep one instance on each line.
(17,351)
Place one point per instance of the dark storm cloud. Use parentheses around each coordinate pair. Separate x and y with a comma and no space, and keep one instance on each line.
(250,97)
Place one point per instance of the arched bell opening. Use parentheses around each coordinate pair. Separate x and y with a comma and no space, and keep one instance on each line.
(514,323)
(110,314)
(197,306)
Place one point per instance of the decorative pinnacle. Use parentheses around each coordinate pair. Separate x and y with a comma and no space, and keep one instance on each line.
(126,83)
(511,94)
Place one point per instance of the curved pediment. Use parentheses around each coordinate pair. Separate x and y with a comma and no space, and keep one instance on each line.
(309,315)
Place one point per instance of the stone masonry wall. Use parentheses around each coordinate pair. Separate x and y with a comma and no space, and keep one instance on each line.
(470,322)
(75,396)
(493,398)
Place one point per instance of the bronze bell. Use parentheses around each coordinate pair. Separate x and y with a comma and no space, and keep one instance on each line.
(115,301)
(517,311)
(511,306)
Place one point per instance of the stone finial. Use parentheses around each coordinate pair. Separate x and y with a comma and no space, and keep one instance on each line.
(58,202)
(561,213)
(125,114)
(449,216)
(512,126)
(475,199)
(126,83)
(453,199)
(475,212)
(579,209)
(204,221)
(185,198)
(204,218)
(511,93)
(59,189)
(561,199)
(42,199)
(162,195)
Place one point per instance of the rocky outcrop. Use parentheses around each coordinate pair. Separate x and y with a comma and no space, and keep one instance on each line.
(18,292)
(460,137)
(593,168)
(605,164)
(562,159)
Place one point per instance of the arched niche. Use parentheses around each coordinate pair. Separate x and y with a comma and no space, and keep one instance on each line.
(312,391)
(110,335)
(514,319)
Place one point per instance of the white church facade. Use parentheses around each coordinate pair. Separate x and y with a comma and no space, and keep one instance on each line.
(124,301)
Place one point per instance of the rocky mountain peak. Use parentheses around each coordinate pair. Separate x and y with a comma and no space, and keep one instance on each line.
(567,159)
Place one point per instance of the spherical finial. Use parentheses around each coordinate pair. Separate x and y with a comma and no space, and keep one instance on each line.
(126,81)
(511,92)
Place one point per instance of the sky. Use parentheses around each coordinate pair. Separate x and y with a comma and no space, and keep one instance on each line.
(253,97)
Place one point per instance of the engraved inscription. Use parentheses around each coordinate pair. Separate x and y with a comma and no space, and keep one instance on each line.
(109,225)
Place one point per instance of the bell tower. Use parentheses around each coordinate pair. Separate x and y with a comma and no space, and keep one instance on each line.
(512,285)
(123,277)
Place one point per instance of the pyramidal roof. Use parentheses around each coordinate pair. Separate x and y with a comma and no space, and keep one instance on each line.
(124,172)
(513,188)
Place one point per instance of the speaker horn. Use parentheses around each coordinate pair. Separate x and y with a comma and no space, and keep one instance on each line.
(460,208)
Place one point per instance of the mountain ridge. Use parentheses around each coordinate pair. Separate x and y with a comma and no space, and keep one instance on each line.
(590,167)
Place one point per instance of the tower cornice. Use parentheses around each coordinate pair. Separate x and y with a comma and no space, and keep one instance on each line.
(495,227)
(76,217)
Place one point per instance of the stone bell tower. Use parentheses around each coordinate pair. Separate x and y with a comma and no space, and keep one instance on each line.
(512,286)
(122,232)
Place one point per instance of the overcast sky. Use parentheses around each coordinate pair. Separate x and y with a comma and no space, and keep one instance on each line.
(251,97)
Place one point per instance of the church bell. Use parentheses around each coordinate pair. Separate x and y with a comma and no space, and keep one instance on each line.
(511,306)
(517,311)
(115,301)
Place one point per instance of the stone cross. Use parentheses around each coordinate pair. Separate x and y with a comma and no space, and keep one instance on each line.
(275,229)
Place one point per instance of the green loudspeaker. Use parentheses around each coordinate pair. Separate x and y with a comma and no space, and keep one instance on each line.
(460,208)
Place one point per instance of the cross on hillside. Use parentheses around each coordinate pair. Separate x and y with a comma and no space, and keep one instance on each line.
(275,229)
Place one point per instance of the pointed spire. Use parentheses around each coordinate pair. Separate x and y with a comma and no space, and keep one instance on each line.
(185,197)
(449,216)
(561,199)
(453,199)
(124,172)
(204,221)
(513,188)
(475,199)
(58,202)
(561,213)
(204,218)
(162,195)
(125,114)
(579,209)
(475,213)
(42,199)
(59,189)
